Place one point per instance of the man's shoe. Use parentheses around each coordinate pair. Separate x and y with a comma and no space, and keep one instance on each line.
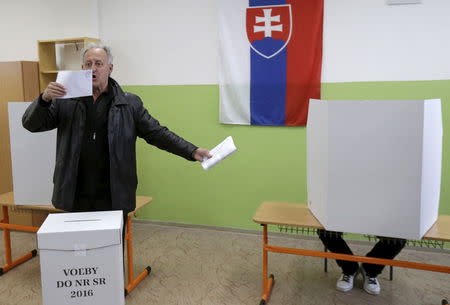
(345,282)
(371,284)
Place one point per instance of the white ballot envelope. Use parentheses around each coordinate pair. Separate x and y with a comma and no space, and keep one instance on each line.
(77,83)
(219,153)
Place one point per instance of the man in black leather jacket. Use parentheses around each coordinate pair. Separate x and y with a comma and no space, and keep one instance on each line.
(95,154)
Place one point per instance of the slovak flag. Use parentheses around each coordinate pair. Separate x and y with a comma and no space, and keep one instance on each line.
(270,60)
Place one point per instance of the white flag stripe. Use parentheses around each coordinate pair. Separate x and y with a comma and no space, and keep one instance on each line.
(234,70)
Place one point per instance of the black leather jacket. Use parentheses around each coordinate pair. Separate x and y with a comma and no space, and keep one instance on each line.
(127,120)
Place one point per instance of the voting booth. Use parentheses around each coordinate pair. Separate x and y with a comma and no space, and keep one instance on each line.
(81,258)
(33,159)
(374,167)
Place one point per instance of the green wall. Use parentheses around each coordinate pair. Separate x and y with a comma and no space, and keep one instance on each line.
(270,163)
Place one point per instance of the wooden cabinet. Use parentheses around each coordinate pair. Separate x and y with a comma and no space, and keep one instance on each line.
(49,61)
(19,82)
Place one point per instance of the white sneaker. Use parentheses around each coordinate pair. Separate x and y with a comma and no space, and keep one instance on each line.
(371,284)
(345,282)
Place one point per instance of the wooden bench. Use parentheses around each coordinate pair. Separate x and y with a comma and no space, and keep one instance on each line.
(298,215)
(7,200)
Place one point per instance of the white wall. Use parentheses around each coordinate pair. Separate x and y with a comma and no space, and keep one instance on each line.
(371,41)
(24,22)
(175,42)
(161,42)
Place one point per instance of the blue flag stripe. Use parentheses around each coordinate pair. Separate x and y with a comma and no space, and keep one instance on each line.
(267,79)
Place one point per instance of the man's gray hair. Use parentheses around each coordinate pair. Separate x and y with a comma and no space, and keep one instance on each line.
(98,45)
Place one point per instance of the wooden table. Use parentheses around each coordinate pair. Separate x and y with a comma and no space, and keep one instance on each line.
(7,200)
(298,215)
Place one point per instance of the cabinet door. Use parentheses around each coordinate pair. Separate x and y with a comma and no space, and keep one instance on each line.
(30,72)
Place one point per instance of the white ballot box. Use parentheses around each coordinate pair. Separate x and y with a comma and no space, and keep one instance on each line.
(374,167)
(81,258)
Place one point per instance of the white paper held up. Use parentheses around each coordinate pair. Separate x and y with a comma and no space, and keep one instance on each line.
(219,153)
(77,83)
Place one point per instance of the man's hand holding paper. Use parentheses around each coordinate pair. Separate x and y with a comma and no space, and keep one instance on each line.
(53,90)
(69,84)
(76,83)
(219,153)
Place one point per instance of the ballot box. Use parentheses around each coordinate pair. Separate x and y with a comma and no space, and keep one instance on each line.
(374,167)
(81,258)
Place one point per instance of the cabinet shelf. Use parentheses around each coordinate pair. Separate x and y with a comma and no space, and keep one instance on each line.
(48,67)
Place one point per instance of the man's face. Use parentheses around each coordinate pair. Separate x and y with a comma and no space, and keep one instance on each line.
(97,60)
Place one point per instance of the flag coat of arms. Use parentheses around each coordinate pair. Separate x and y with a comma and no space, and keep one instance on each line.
(270,60)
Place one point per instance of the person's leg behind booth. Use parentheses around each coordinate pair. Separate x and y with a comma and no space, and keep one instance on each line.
(387,248)
(334,242)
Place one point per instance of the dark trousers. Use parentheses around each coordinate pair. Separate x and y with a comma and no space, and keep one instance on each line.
(385,248)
